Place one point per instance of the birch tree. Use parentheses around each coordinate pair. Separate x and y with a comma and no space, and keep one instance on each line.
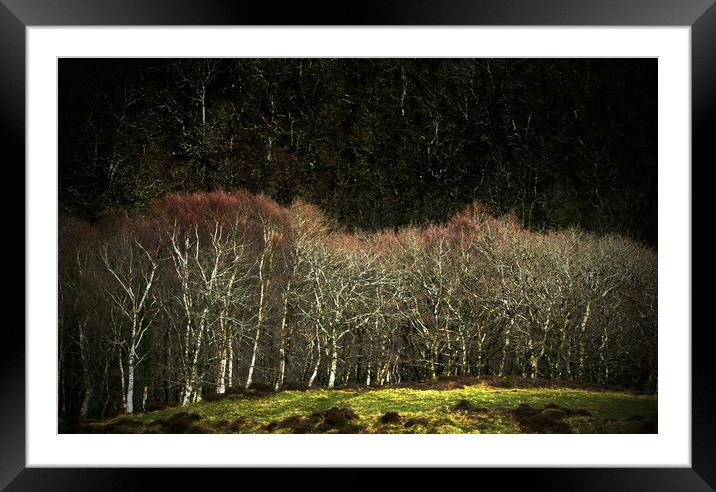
(197,271)
(135,278)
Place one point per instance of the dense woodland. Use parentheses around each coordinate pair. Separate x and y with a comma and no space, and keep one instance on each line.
(376,143)
(208,293)
(269,224)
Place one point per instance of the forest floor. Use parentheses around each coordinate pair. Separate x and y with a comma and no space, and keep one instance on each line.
(448,406)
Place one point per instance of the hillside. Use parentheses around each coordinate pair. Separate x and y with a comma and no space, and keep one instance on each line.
(447,406)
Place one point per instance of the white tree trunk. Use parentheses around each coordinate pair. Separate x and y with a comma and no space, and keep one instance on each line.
(282,340)
(333,366)
(505,349)
(585,319)
(259,320)
(318,363)
(463,362)
(121,373)
(230,368)
(254,352)
(130,382)
(190,391)
(221,383)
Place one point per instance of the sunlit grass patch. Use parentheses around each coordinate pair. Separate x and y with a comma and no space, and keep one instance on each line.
(477,409)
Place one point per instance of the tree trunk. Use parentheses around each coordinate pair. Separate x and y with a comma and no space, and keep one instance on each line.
(542,347)
(192,383)
(230,368)
(333,365)
(121,373)
(464,362)
(103,412)
(254,352)
(505,348)
(85,402)
(602,355)
(282,340)
(318,363)
(281,370)
(85,372)
(581,341)
(448,368)
(221,383)
(480,342)
(433,361)
(533,359)
(259,320)
(130,380)
(226,339)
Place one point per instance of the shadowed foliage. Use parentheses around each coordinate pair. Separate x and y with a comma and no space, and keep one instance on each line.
(378,143)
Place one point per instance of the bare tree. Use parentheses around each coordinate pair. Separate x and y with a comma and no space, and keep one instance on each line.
(135,278)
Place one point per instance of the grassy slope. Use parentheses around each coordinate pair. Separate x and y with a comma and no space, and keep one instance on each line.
(610,410)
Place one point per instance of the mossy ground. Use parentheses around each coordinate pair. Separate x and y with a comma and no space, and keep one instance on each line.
(497,411)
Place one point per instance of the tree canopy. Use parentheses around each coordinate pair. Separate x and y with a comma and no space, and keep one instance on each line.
(376,143)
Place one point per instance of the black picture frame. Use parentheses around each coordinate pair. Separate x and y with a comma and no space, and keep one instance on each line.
(16,15)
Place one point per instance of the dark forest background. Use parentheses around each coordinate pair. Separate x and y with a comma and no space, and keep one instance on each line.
(375,143)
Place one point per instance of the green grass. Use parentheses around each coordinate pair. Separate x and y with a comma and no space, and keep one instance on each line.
(611,411)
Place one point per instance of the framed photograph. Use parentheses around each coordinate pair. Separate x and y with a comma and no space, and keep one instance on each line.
(453,235)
